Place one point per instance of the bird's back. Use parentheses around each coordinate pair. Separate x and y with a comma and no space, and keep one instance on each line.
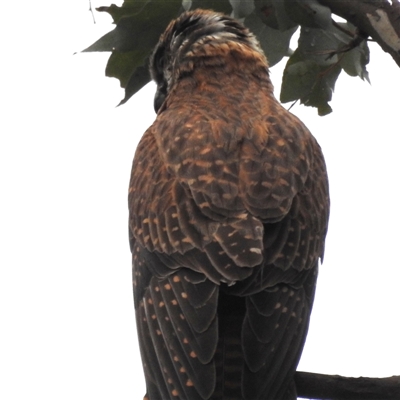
(228,215)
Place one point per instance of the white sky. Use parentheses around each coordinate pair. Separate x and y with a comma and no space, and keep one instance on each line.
(66,309)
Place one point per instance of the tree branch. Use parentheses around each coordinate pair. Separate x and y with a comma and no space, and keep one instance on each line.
(335,387)
(379,19)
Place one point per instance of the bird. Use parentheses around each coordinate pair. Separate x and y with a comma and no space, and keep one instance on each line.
(228,214)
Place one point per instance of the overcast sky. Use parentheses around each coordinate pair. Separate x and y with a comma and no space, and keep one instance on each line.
(66,309)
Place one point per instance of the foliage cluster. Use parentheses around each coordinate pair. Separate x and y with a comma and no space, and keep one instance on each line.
(325,46)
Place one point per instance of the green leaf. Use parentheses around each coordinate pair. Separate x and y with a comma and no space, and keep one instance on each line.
(308,13)
(307,81)
(298,78)
(275,43)
(242,8)
(355,61)
(317,45)
(273,14)
(321,45)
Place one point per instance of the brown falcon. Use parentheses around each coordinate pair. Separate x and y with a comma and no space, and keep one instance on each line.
(229,208)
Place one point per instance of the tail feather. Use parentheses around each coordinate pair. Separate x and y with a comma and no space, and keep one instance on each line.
(229,355)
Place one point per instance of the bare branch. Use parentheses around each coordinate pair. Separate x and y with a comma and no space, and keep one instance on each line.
(378,19)
(335,387)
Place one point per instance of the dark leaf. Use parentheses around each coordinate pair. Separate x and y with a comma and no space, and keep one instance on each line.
(139,30)
(223,6)
(310,74)
(139,26)
(274,42)
(319,45)
(128,8)
(121,65)
(132,8)
(273,14)
(108,42)
(308,13)
(323,89)
(138,79)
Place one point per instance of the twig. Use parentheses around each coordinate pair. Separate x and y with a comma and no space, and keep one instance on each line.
(91,10)
(346,31)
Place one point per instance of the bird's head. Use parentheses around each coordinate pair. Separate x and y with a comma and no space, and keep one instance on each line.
(199,37)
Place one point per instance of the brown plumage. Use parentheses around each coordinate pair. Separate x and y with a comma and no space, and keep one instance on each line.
(229,208)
